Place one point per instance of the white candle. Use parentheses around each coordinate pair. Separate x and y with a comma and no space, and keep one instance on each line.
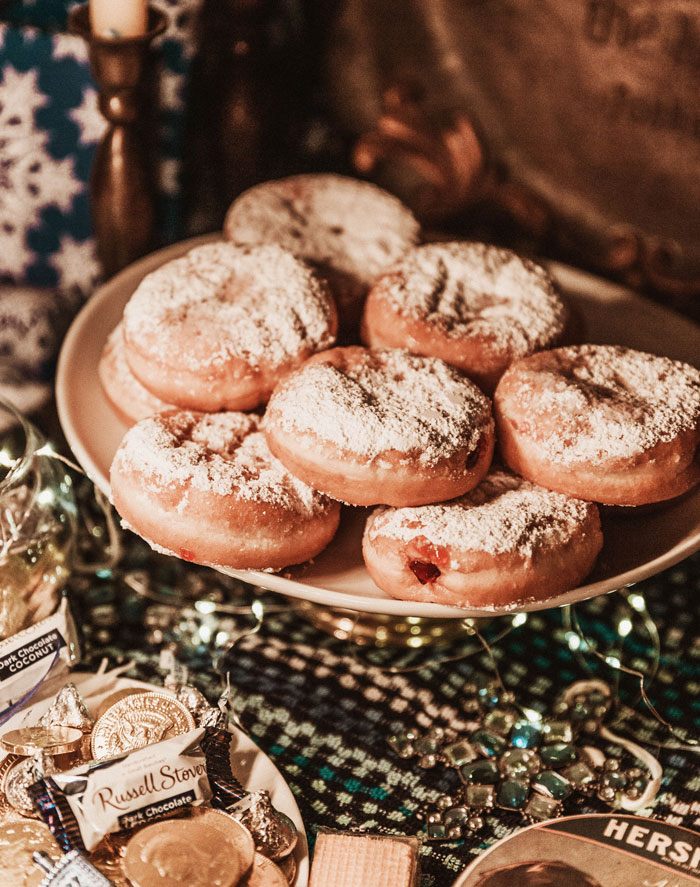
(118,18)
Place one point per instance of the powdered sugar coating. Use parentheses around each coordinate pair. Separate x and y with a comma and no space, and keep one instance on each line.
(385,400)
(142,402)
(347,224)
(504,514)
(476,290)
(258,304)
(603,402)
(222,453)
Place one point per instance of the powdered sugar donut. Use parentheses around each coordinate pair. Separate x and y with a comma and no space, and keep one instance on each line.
(206,487)
(349,229)
(217,328)
(123,390)
(381,427)
(479,307)
(603,422)
(506,542)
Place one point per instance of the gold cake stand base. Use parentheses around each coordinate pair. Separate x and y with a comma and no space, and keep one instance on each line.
(378,630)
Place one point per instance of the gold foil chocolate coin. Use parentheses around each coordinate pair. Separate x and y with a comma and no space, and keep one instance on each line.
(264,874)
(108,854)
(288,867)
(109,701)
(18,841)
(52,740)
(232,830)
(274,833)
(139,720)
(16,783)
(182,853)
(5,764)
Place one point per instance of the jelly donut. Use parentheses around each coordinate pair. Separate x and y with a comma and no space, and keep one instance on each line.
(206,487)
(373,427)
(217,328)
(130,400)
(604,422)
(348,229)
(506,542)
(479,307)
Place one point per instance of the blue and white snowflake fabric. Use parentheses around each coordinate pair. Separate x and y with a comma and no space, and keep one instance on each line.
(49,128)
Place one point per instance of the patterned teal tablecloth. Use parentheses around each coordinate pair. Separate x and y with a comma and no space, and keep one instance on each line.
(323,709)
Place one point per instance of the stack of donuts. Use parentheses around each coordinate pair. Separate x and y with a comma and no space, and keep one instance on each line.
(479,438)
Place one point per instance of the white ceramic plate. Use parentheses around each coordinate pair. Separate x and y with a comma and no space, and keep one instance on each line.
(250,765)
(636,545)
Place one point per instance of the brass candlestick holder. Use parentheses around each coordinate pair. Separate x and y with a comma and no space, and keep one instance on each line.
(122,182)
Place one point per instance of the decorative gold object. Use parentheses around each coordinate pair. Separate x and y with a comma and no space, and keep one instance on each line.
(16,782)
(265,873)
(122,181)
(37,526)
(233,832)
(379,630)
(139,720)
(177,852)
(441,168)
(31,740)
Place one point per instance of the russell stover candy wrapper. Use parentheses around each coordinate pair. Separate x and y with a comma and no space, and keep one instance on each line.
(227,790)
(83,805)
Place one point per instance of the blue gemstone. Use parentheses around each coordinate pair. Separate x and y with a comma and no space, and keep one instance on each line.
(519,763)
(484,772)
(456,816)
(426,745)
(488,743)
(616,780)
(558,731)
(552,784)
(480,796)
(436,831)
(500,720)
(525,734)
(458,753)
(513,794)
(580,774)
(540,807)
(558,754)
(639,785)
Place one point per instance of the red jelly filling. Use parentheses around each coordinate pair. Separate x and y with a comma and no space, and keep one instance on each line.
(423,572)
(423,550)
(186,554)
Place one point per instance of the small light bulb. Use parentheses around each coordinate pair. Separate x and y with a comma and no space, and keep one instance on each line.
(624,627)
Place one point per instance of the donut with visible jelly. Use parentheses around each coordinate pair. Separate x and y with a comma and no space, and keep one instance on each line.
(348,229)
(504,543)
(372,427)
(604,422)
(476,306)
(130,400)
(205,486)
(219,327)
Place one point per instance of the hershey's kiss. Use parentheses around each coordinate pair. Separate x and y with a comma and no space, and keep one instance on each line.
(274,833)
(68,710)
